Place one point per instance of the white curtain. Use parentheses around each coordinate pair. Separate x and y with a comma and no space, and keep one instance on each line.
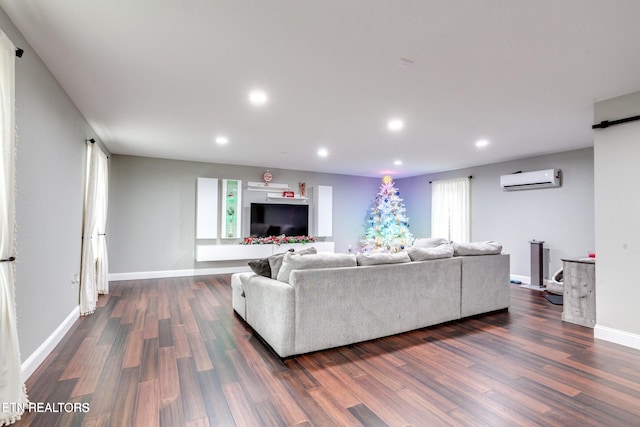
(94,263)
(102,259)
(12,390)
(450,209)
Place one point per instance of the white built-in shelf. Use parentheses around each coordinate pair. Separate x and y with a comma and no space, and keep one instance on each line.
(261,186)
(279,196)
(240,252)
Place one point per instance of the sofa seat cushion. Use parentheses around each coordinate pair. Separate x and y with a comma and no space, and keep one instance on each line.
(296,261)
(424,254)
(477,248)
(383,258)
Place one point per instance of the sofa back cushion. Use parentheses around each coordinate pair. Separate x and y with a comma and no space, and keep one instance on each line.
(383,258)
(295,261)
(424,254)
(429,242)
(477,248)
(275,261)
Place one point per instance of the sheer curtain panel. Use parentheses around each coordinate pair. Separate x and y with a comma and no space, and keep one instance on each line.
(450,212)
(102,259)
(94,263)
(12,390)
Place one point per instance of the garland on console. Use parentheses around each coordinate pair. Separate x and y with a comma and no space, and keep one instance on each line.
(277,240)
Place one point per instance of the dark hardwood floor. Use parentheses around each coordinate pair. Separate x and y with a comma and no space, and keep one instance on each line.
(171,352)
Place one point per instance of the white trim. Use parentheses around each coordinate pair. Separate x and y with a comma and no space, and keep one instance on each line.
(523,279)
(37,357)
(136,275)
(526,280)
(617,336)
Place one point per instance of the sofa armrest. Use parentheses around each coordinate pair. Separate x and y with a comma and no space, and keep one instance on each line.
(485,284)
(238,302)
(270,311)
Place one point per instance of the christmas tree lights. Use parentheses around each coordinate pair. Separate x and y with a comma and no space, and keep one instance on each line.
(388,224)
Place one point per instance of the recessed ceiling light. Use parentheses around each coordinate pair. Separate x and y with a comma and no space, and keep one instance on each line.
(482,143)
(323,152)
(395,124)
(222,140)
(398,162)
(258,97)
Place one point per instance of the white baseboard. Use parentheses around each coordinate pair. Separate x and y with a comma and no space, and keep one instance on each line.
(523,279)
(137,275)
(37,357)
(617,336)
(526,280)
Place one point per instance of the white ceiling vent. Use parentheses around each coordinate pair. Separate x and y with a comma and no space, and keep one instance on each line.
(535,179)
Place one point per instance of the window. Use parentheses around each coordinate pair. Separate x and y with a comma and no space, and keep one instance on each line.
(450,209)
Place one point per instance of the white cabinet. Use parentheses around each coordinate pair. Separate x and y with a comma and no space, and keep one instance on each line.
(323,210)
(231,209)
(207,208)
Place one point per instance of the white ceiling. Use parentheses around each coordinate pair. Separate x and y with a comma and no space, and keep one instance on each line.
(162,78)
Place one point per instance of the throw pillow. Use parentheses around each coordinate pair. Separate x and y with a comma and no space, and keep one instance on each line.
(477,248)
(275,261)
(376,259)
(424,254)
(261,267)
(325,260)
(429,242)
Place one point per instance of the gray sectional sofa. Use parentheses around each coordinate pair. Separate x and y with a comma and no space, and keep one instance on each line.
(318,308)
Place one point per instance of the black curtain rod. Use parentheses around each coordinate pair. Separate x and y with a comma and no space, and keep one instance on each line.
(93,141)
(19,52)
(470,177)
(10,259)
(606,123)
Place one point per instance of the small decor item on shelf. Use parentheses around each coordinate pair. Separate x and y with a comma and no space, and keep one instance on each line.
(289,194)
(267,177)
(303,189)
(230,217)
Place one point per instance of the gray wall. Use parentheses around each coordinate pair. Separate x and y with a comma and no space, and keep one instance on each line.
(617,216)
(152,209)
(563,217)
(50,176)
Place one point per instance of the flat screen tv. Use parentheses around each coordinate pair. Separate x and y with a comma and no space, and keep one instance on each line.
(274,219)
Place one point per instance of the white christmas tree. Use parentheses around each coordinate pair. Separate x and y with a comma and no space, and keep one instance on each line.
(388,224)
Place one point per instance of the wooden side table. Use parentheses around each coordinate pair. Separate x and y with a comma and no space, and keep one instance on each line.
(579,300)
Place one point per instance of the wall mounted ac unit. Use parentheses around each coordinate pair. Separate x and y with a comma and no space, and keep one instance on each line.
(535,179)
